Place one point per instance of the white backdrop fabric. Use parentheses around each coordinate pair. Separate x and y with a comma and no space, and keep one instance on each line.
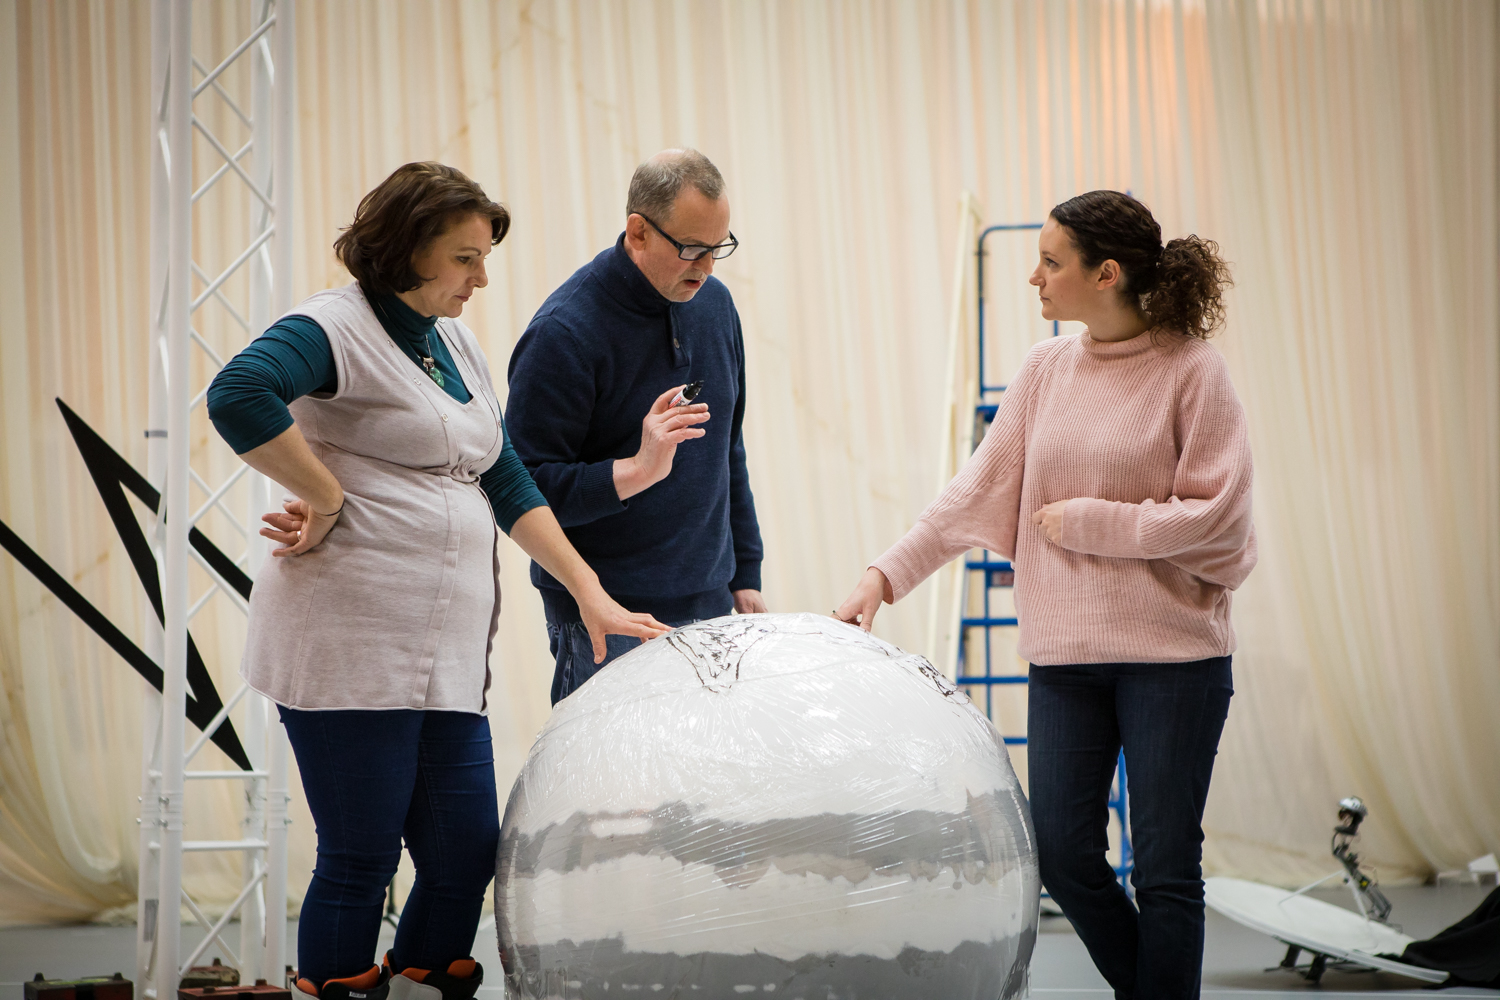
(1343,153)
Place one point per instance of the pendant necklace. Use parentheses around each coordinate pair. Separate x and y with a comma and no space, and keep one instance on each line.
(429,363)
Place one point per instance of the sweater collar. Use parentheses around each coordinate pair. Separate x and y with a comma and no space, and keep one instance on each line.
(1142,343)
(627,285)
(401,321)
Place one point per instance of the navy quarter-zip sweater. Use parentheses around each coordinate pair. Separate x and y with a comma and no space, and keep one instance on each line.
(583,376)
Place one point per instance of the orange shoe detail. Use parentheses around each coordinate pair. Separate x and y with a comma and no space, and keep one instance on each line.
(306,986)
(365,980)
(462,969)
(414,974)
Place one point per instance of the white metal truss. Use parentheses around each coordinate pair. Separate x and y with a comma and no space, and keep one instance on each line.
(259,273)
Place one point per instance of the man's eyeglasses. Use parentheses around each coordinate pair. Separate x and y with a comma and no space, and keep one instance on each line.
(695,251)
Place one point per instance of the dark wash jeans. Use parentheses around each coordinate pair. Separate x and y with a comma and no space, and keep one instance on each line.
(575,654)
(372,778)
(1168,717)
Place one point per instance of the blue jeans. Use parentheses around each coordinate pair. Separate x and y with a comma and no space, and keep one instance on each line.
(1168,717)
(575,654)
(372,778)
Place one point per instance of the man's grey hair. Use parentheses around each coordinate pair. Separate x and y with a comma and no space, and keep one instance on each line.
(655,185)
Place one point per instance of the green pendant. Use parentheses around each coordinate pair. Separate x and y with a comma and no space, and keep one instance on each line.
(437,377)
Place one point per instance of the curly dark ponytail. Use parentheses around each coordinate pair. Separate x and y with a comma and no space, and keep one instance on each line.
(1178,287)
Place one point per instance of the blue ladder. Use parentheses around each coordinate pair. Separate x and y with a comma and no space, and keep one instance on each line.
(996,573)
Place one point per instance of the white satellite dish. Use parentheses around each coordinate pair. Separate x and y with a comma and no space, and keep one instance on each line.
(1326,931)
(1351,940)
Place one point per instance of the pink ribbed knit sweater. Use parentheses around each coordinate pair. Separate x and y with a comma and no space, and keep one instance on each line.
(1146,440)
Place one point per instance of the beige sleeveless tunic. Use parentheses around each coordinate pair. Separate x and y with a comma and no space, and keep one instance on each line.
(397,607)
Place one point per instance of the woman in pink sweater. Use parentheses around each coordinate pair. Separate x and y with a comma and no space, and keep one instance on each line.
(1116,476)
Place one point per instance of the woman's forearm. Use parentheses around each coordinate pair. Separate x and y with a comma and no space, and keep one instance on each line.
(539,534)
(288,460)
(542,538)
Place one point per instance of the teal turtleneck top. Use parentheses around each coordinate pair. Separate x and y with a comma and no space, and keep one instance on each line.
(247,401)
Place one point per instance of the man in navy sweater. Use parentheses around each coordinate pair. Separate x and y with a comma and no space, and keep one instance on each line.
(655,497)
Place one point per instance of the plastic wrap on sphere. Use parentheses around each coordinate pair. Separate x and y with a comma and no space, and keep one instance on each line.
(778,805)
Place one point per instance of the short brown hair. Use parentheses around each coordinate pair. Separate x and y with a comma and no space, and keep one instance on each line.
(403,215)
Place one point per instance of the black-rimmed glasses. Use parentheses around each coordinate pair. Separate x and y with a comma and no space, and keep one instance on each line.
(695,251)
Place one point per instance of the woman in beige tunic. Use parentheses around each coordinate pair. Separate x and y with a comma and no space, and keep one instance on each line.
(372,405)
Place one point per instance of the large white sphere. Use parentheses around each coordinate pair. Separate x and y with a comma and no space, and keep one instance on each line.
(767,804)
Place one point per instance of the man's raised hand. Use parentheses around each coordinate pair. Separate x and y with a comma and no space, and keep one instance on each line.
(663,429)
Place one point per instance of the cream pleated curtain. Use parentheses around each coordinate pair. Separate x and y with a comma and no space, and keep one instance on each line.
(1343,154)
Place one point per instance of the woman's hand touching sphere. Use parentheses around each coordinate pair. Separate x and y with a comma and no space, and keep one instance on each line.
(859,607)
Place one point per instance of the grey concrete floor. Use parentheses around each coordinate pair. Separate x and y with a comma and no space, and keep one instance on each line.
(1233,962)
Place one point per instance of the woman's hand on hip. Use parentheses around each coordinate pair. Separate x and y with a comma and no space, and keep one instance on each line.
(602,615)
(298,527)
(1050,518)
(859,607)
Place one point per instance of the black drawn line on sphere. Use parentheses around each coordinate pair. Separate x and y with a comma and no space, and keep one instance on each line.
(719,649)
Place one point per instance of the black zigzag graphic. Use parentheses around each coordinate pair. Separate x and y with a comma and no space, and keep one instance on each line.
(113,475)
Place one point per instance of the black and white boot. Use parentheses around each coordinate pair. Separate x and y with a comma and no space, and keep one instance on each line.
(457,982)
(373,984)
